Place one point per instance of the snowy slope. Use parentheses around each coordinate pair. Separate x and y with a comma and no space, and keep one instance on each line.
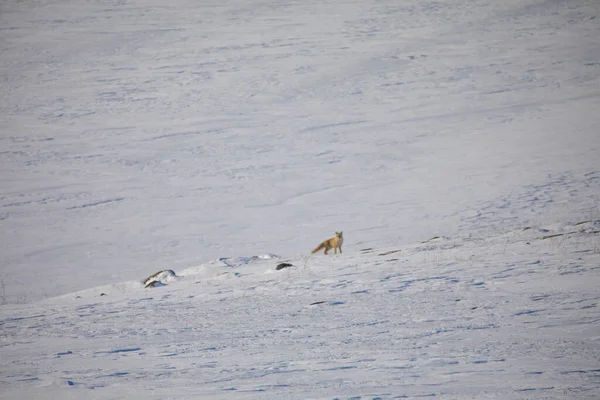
(141,135)
(509,316)
(454,142)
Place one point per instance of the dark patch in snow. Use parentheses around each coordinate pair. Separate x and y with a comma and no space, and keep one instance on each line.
(326,126)
(154,284)
(541,297)
(119,350)
(528,312)
(557,235)
(580,371)
(28,379)
(22,318)
(582,222)
(389,252)
(97,203)
(340,368)
(283,265)
(115,374)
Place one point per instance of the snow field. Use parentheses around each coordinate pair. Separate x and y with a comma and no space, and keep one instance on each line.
(454,142)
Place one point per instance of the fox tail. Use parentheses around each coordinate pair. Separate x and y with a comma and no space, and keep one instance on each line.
(319,247)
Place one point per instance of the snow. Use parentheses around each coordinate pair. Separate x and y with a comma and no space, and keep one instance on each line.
(506,316)
(454,142)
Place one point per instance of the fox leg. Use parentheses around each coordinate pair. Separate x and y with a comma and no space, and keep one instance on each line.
(326,250)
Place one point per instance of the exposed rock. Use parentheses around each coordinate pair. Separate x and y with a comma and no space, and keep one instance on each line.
(159,278)
(283,265)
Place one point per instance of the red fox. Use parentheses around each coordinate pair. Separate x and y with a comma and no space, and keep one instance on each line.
(333,243)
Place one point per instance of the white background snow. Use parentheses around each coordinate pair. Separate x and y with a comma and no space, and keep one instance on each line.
(456,144)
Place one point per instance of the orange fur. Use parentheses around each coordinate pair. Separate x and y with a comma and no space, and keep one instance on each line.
(333,243)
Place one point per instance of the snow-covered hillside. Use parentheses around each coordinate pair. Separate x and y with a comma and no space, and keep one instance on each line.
(457,140)
(509,316)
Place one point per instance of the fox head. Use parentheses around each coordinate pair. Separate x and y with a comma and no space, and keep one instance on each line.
(339,234)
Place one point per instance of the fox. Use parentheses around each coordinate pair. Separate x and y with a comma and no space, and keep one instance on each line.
(333,243)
